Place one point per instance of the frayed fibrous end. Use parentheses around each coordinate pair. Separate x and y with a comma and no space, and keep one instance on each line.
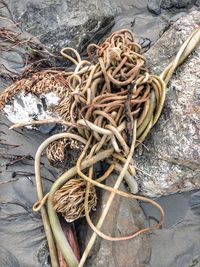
(56,150)
(41,83)
(69,199)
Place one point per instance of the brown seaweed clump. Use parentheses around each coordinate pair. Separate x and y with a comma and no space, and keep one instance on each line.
(56,151)
(69,199)
(40,83)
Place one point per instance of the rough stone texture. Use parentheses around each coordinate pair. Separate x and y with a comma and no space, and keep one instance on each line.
(75,23)
(124,218)
(167,4)
(63,23)
(171,162)
(171,6)
(154,6)
(57,24)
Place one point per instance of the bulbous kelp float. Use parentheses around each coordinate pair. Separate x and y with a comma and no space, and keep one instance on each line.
(107,107)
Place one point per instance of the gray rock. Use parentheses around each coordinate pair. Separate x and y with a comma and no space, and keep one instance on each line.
(154,6)
(171,7)
(177,243)
(7,258)
(146,27)
(171,162)
(167,4)
(22,235)
(62,23)
(124,218)
(197,3)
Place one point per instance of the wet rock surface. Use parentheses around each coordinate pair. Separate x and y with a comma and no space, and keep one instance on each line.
(22,235)
(124,218)
(177,244)
(171,159)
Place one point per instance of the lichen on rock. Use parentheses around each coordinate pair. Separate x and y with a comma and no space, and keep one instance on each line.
(170,161)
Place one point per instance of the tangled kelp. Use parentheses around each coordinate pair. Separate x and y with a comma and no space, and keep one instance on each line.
(115,104)
(129,64)
(69,199)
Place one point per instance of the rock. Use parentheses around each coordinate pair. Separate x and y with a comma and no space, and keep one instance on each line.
(23,241)
(167,4)
(7,258)
(146,27)
(62,23)
(177,243)
(197,3)
(170,163)
(26,107)
(154,6)
(124,218)
(170,7)
(81,22)
(86,21)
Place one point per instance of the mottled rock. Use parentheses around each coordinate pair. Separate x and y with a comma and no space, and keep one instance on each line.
(170,163)
(147,27)
(170,7)
(154,6)
(167,4)
(124,218)
(7,258)
(62,23)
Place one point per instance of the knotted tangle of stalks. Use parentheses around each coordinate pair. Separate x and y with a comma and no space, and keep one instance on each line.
(111,102)
(114,102)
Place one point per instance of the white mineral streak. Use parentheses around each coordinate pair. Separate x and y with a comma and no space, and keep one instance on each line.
(27,107)
(51,99)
